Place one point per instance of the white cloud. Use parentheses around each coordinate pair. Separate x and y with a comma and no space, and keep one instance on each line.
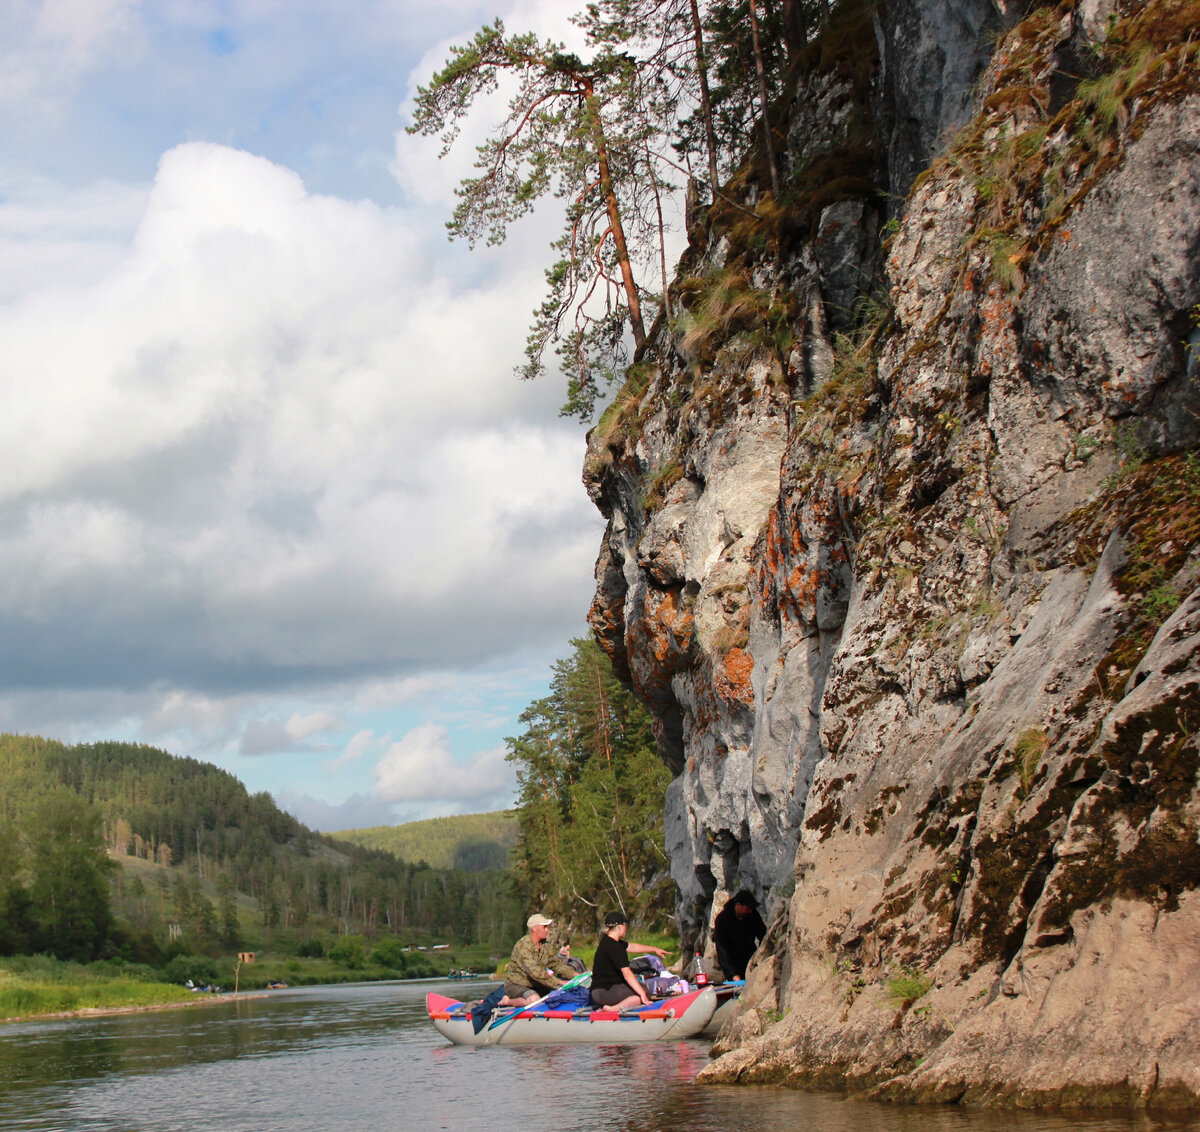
(53,236)
(358,746)
(410,689)
(264,737)
(276,436)
(420,767)
(271,736)
(315,723)
(270,487)
(359,811)
(47,45)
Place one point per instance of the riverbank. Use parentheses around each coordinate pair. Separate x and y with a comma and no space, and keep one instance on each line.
(39,986)
(104,1011)
(26,995)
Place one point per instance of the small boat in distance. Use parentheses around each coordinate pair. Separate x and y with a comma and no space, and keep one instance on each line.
(464,973)
(682,1016)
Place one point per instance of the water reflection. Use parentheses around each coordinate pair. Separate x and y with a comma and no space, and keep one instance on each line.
(335,1059)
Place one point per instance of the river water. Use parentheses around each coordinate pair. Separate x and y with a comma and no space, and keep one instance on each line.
(365,1058)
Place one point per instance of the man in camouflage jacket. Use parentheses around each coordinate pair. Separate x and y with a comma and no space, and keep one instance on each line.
(535,967)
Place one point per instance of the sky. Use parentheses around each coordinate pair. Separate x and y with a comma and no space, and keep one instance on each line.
(270,494)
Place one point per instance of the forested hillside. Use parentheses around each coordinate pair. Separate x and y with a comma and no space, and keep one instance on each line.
(70,814)
(121,849)
(471,842)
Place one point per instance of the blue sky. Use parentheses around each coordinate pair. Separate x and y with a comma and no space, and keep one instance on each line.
(271,496)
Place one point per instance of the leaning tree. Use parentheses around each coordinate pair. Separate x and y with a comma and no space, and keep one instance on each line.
(580,130)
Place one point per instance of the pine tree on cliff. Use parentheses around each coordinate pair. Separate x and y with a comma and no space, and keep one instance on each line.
(745,53)
(669,38)
(709,57)
(576,129)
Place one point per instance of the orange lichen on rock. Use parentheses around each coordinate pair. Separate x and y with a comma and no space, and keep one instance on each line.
(802,586)
(739,666)
(772,556)
(663,632)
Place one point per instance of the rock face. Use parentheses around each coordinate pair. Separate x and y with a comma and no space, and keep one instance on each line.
(904,553)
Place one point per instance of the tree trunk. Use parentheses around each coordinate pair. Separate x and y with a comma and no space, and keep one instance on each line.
(662,228)
(614,214)
(705,104)
(762,93)
(795,26)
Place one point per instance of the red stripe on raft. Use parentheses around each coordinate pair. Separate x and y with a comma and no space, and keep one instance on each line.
(560,1013)
(603,1016)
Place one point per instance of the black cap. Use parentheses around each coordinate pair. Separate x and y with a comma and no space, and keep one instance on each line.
(746,897)
(615,918)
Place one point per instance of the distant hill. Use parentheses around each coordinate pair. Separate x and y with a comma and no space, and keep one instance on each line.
(201,854)
(471,842)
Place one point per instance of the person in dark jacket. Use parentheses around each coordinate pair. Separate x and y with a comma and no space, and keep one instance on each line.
(737,932)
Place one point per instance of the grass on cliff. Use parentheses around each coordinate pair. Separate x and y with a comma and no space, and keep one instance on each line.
(724,306)
(905,988)
(1028,750)
(621,413)
(1154,502)
(1031,164)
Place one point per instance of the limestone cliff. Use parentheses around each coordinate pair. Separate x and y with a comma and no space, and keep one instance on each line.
(903,552)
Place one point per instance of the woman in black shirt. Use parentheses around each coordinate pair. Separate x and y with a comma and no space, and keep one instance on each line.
(613,982)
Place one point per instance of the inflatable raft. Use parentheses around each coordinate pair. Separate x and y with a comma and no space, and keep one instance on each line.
(727,997)
(666,1019)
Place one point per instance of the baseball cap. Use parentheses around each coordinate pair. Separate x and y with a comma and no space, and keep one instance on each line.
(537,920)
(615,918)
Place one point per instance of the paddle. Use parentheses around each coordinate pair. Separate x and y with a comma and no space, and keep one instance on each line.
(536,1002)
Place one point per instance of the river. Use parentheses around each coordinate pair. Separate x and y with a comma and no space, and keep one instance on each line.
(364,1058)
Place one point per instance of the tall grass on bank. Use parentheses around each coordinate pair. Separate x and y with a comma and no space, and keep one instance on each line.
(31,985)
